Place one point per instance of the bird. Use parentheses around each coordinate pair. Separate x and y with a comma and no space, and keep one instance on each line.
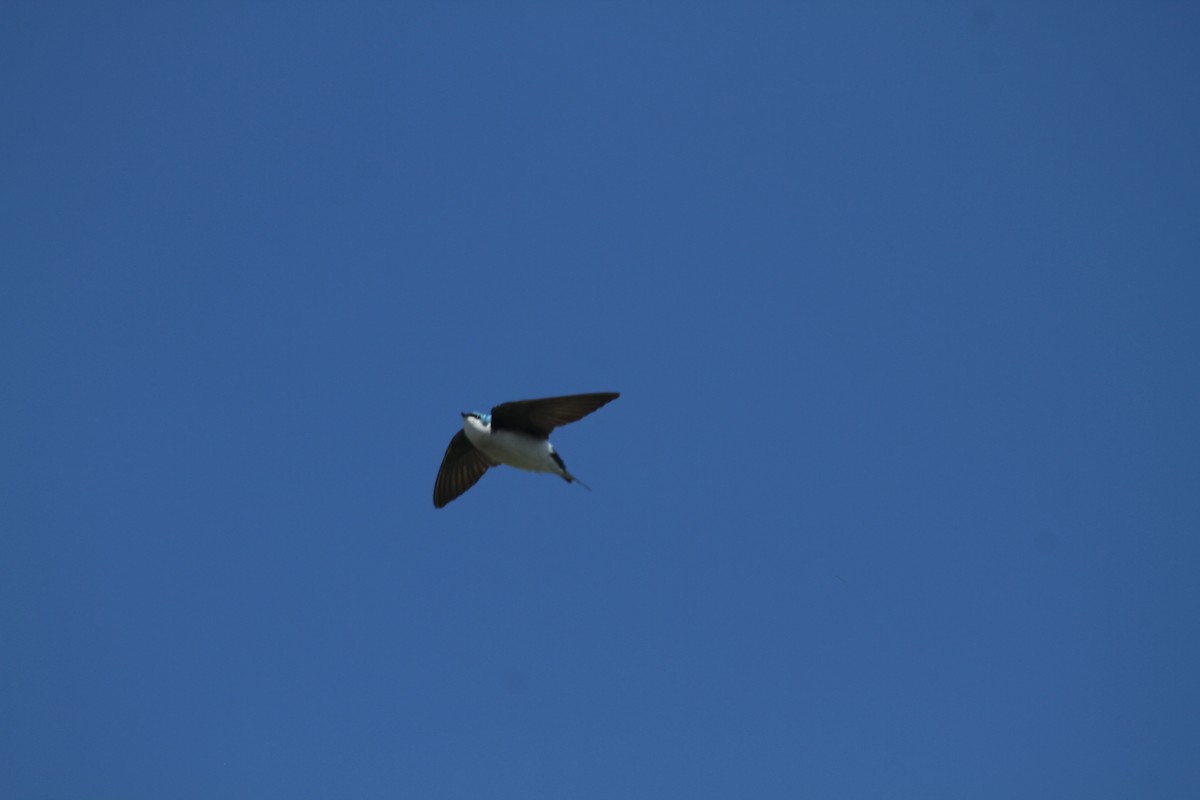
(517,434)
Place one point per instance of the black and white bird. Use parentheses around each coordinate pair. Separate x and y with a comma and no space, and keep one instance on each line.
(517,434)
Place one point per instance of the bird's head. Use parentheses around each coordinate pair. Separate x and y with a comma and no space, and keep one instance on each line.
(477,420)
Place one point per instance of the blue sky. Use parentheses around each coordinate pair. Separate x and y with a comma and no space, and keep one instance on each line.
(899,499)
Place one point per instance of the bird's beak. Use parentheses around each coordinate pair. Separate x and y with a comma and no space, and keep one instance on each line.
(464,414)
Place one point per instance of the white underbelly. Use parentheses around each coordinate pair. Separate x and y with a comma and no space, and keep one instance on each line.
(517,451)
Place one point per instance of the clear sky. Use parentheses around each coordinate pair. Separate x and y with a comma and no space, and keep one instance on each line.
(900,498)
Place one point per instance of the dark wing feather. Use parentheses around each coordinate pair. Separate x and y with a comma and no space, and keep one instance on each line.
(539,417)
(462,466)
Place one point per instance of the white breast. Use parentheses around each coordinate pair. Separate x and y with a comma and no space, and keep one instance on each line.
(514,449)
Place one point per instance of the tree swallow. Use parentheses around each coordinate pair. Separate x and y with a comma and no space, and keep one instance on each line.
(517,434)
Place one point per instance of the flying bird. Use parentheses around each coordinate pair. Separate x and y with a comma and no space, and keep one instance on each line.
(517,434)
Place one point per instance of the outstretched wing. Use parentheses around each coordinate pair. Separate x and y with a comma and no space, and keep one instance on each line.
(462,466)
(539,417)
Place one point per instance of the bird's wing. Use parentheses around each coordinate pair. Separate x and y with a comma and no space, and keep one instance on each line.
(539,417)
(462,466)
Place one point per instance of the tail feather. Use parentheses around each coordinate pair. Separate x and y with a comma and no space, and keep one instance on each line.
(566,476)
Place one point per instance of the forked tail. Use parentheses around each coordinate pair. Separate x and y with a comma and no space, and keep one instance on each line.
(566,476)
